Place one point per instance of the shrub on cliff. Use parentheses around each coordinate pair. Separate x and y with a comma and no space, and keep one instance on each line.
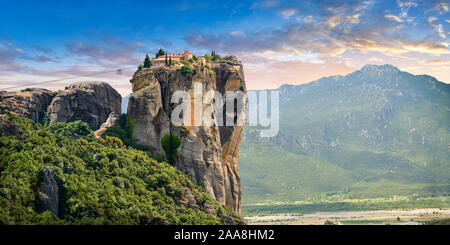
(127,123)
(124,130)
(216,58)
(186,70)
(213,57)
(170,144)
(207,57)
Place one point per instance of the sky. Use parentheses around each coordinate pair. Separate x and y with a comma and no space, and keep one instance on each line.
(278,42)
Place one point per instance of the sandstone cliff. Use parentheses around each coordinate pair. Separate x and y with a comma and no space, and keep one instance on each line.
(8,128)
(31,103)
(208,154)
(90,102)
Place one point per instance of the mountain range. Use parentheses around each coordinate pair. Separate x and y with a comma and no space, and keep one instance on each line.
(376,132)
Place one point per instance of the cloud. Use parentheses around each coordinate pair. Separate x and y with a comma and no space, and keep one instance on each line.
(287,13)
(329,37)
(431,19)
(404,6)
(81,59)
(336,18)
(66,76)
(438,62)
(315,39)
(107,52)
(292,71)
(9,54)
(393,17)
(263,4)
(434,48)
(42,58)
(375,59)
(340,30)
(407,4)
(160,41)
(442,7)
(438,27)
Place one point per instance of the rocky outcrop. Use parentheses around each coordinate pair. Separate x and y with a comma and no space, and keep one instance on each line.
(188,200)
(145,108)
(384,111)
(90,102)
(48,192)
(208,154)
(8,128)
(112,121)
(31,102)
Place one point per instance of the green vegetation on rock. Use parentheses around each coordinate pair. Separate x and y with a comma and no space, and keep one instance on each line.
(124,130)
(186,70)
(98,181)
(170,144)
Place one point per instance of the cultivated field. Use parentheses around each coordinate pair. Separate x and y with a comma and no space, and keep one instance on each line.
(376,217)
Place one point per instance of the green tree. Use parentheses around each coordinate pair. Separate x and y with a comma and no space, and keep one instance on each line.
(77,128)
(186,70)
(170,61)
(207,57)
(170,144)
(44,118)
(129,128)
(147,62)
(160,53)
(98,125)
(216,57)
(124,131)
(327,222)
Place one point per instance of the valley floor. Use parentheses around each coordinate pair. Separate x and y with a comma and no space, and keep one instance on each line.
(374,217)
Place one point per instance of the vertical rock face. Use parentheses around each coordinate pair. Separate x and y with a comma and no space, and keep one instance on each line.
(90,102)
(48,192)
(31,103)
(8,128)
(208,154)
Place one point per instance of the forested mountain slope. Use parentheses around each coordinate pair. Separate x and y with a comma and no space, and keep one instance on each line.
(377,132)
